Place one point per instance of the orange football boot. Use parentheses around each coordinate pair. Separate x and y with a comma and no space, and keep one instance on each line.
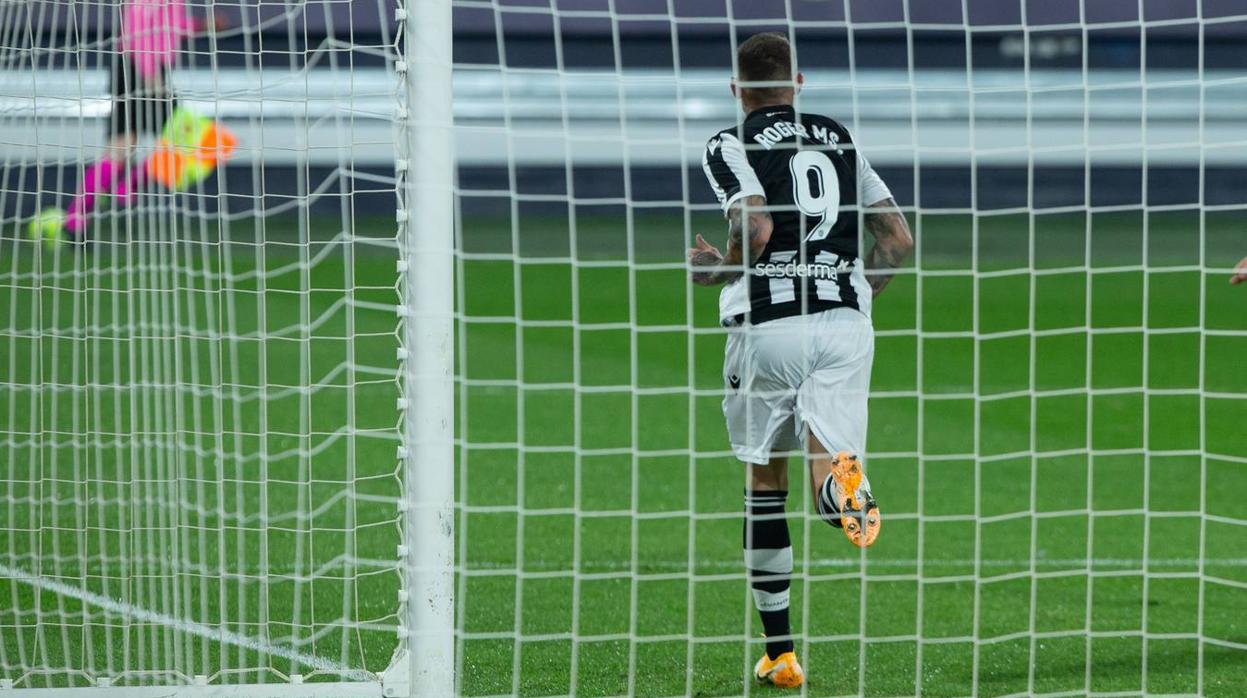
(859,514)
(784,671)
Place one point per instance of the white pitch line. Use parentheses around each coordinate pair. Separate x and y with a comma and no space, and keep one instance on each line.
(205,631)
(278,573)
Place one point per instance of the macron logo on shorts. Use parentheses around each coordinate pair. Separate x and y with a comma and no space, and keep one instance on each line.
(734,381)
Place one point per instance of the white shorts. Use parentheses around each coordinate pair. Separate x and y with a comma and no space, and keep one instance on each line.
(796,372)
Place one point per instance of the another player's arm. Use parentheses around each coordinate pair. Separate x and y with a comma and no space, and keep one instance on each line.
(747,220)
(893,241)
(1240,273)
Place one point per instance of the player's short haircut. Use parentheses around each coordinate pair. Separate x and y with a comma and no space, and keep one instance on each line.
(765,57)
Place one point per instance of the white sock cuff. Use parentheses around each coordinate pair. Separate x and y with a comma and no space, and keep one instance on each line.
(770,601)
(769,560)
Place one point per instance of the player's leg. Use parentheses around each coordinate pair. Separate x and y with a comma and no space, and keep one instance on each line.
(842,493)
(107,175)
(154,110)
(758,407)
(832,406)
(104,176)
(768,556)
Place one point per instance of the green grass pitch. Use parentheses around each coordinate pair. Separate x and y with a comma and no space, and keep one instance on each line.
(1042,446)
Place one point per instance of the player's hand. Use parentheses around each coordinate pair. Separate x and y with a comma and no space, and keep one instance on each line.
(1240,273)
(704,255)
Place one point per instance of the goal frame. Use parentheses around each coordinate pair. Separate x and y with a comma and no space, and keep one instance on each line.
(426,171)
(423,663)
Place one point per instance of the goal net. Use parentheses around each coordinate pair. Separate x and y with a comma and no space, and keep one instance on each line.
(199,392)
(226,420)
(1053,437)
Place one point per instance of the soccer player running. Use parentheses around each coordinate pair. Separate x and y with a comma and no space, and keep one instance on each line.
(797,299)
(149,35)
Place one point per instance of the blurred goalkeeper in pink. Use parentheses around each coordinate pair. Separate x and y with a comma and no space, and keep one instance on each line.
(150,34)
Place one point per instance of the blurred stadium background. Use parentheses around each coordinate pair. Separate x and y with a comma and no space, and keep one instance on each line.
(649,96)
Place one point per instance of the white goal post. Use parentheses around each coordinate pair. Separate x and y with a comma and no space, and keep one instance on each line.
(428,236)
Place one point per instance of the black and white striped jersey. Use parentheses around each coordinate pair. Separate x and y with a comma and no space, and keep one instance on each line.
(814,181)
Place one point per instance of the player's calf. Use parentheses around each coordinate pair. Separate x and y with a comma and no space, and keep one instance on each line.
(844,501)
(768,557)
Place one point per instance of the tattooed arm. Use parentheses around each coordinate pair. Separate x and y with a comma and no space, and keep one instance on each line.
(748,220)
(893,242)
